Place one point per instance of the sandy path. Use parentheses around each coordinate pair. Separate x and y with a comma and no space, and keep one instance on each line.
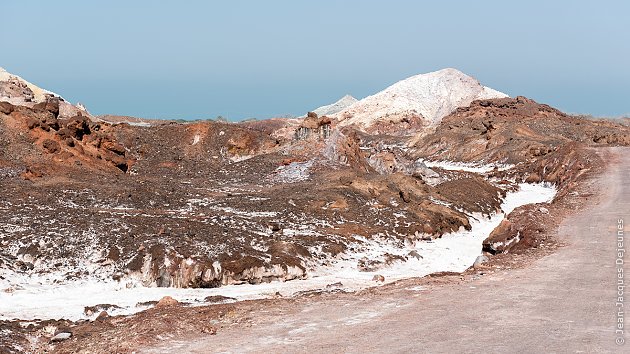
(564,302)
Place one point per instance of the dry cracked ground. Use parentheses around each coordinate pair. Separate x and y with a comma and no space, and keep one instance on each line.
(210,204)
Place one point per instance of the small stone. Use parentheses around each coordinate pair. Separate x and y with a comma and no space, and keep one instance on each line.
(218,299)
(210,330)
(480,260)
(378,278)
(61,337)
(415,254)
(28,258)
(334,285)
(102,316)
(167,301)
(274,227)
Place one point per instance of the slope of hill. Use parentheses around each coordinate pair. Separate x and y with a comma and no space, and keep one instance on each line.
(421,100)
(17,91)
(343,103)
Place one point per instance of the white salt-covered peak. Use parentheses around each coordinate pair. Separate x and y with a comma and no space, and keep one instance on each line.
(442,72)
(348,98)
(432,96)
(39,94)
(341,104)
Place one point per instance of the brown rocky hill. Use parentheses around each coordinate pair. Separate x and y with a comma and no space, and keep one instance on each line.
(513,130)
(543,144)
(39,141)
(211,203)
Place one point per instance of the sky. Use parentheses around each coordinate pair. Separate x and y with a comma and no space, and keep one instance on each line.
(244,59)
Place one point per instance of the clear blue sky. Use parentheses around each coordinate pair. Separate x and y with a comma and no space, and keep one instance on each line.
(200,59)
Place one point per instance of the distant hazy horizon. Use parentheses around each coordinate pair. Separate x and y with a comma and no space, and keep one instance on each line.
(244,59)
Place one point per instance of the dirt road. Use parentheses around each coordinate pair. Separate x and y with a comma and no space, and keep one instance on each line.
(564,302)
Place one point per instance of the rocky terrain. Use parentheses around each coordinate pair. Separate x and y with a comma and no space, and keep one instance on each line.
(369,194)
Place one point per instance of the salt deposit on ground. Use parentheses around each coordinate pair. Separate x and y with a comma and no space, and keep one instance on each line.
(468,167)
(50,296)
(293,172)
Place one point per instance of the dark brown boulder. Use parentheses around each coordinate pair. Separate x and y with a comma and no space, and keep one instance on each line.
(117,161)
(51,146)
(64,133)
(51,122)
(6,108)
(32,123)
(78,127)
(109,144)
(501,238)
(51,105)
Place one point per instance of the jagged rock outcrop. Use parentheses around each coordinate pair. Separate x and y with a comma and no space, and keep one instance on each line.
(77,139)
(314,126)
(523,229)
